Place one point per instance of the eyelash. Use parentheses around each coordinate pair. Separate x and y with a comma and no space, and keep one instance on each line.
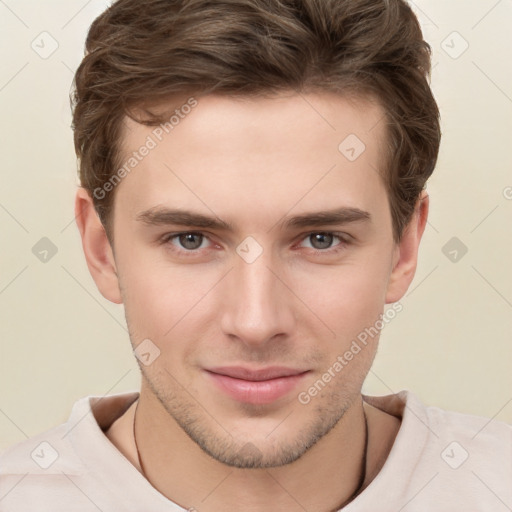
(342,237)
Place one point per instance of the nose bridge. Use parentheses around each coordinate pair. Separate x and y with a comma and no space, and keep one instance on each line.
(257,308)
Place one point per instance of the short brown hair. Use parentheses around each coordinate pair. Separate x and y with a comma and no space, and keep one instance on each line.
(139,52)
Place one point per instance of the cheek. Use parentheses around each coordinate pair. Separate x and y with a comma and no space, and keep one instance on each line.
(159,297)
(348,297)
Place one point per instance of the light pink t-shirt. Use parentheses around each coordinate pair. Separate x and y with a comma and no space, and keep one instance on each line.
(440,461)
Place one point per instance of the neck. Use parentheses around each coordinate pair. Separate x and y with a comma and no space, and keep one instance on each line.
(325,478)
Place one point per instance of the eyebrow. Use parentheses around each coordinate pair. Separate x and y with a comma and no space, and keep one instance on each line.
(163,216)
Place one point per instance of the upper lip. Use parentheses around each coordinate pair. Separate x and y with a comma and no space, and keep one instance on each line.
(271,372)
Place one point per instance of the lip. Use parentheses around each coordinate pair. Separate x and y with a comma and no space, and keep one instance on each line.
(260,386)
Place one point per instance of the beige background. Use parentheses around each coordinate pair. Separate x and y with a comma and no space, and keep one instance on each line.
(61,340)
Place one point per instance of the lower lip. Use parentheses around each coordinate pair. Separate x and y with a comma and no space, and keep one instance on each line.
(256,392)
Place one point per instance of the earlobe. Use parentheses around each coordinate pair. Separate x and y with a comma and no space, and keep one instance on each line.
(97,250)
(406,255)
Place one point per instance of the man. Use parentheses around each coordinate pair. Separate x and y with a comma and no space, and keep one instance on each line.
(253,177)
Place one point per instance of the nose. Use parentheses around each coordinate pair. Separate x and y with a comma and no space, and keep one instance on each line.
(257,306)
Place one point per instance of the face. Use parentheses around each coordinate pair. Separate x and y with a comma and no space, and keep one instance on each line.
(253,244)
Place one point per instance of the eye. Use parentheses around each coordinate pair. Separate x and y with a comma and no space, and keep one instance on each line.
(188,241)
(323,241)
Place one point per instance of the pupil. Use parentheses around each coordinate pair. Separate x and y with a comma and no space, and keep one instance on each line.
(321,240)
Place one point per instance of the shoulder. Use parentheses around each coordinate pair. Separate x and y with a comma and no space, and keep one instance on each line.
(468,423)
(479,436)
(443,460)
(470,458)
(61,448)
(46,453)
(479,431)
(474,453)
(464,457)
(34,471)
(60,464)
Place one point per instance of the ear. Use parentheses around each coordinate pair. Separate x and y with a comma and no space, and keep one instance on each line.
(406,252)
(97,250)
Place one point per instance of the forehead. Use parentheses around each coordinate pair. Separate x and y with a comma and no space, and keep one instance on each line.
(263,152)
(321,117)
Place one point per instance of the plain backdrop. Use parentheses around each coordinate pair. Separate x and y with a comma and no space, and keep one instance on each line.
(61,340)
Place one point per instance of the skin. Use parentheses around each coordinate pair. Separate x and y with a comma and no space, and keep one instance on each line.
(253,163)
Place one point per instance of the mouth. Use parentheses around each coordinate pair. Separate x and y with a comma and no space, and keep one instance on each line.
(260,386)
